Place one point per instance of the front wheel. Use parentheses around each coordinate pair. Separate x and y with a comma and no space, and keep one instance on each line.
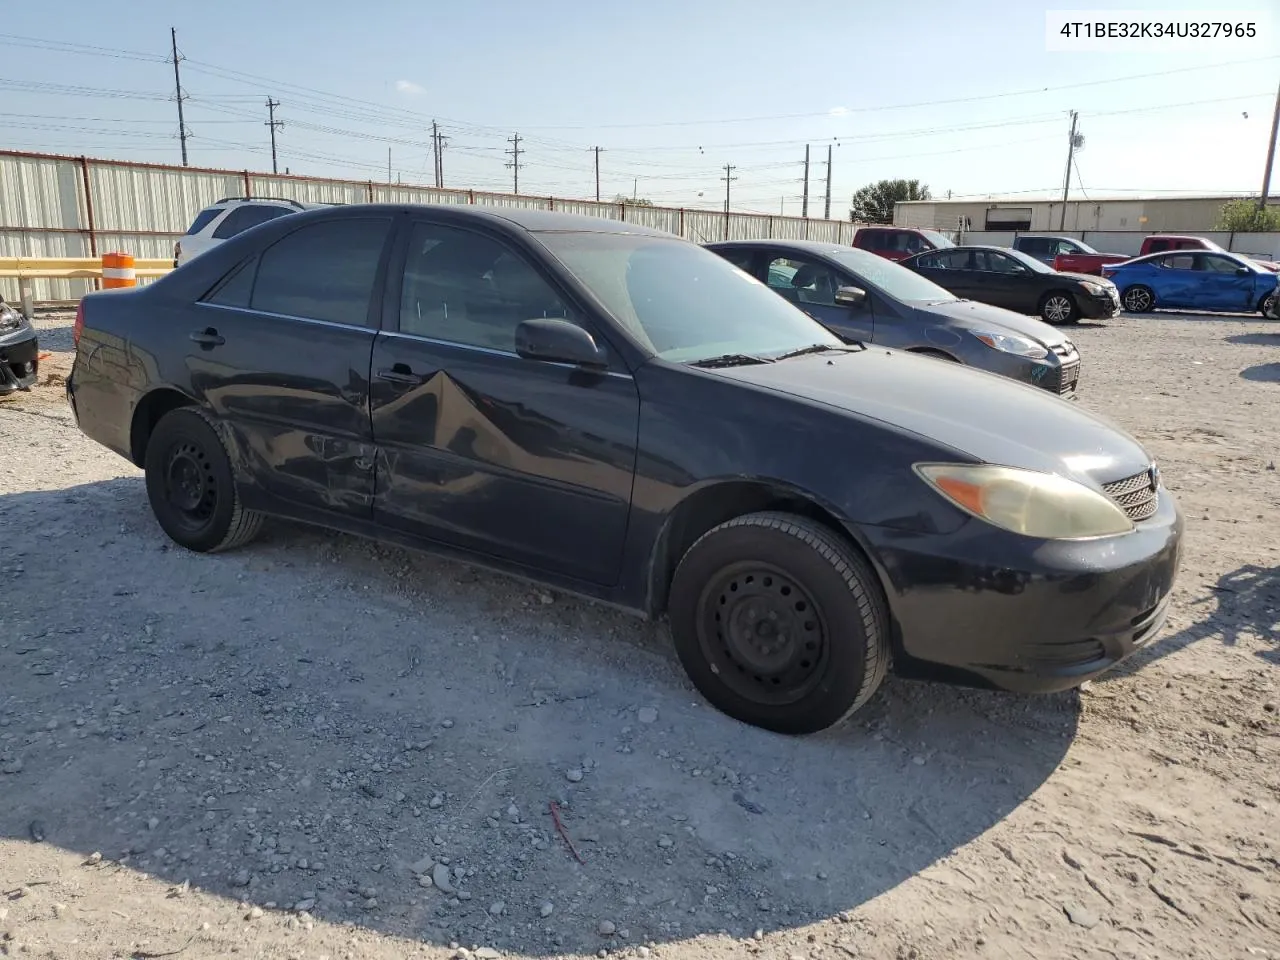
(1269,307)
(191,485)
(1137,299)
(779,622)
(1058,308)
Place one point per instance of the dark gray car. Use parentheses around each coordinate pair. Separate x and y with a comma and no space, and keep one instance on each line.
(859,296)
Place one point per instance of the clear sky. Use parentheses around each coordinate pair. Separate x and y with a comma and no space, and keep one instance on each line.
(962,96)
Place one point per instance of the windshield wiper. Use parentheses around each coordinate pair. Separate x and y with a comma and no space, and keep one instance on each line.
(820,348)
(730,360)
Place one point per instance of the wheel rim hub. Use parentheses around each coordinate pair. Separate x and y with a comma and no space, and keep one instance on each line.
(1058,308)
(762,634)
(190,485)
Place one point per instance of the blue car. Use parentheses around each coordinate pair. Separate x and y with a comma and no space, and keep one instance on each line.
(1199,280)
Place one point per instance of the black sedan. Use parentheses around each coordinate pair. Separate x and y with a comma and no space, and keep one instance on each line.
(19,351)
(615,412)
(1013,280)
(863,297)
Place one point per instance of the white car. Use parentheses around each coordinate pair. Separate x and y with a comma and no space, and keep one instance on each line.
(225,219)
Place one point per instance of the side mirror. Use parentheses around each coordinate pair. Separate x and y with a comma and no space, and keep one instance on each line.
(558,341)
(1243,271)
(850,296)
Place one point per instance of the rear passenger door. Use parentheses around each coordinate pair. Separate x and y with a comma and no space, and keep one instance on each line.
(280,352)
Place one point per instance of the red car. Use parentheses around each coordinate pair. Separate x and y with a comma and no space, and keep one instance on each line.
(1156,243)
(898,243)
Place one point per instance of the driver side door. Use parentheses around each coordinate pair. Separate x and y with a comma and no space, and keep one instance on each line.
(1222,286)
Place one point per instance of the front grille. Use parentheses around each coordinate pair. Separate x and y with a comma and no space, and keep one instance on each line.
(1136,496)
(1062,380)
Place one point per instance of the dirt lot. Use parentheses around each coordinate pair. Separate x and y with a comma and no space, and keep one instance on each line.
(318,747)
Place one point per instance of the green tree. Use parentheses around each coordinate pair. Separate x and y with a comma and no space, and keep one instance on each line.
(1243,216)
(633,201)
(874,202)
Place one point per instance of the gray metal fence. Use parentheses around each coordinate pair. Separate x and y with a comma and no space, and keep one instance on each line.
(59,206)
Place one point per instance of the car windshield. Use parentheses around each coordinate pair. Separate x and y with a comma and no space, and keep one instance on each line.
(1031,263)
(937,239)
(891,279)
(683,302)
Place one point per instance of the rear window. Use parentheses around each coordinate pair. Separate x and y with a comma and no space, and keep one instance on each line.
(203,219)
(242,218)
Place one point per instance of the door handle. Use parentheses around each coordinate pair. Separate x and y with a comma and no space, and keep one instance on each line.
(400,373)
(208,337)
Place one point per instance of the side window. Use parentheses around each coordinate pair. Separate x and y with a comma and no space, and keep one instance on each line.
(1155,246)
(740,258)
(203,219)
(235,289)
(990,261)
(1034,246)
(804,281)
(242,218)
(1211,263)
(1065,246)
(870,240)
(1179,261)
(932,262)
(463,287)
(324,271)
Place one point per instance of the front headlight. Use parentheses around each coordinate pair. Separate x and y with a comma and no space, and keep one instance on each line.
(1012,343)
(9,318)
(1096,289)
(1034,504)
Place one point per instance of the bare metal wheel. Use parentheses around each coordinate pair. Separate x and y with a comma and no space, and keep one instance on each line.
(191,485)
(1138,299)
(1058,308)
(780,622)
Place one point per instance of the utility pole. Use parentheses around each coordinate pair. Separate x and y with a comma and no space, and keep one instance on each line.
(273,123)
(1066,178)
(438,143)
(514,153)
(804,204)
(177,89)
(826,211)
(728,179)
(596,151)
(388,166)
(1271,154)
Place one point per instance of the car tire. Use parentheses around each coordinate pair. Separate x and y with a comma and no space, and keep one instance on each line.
(1058,308)
(1269,307)
(749,578)
(191,485)
(1138,299)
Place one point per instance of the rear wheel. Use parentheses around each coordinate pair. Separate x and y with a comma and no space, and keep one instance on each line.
(779,622)
(1058,307)
(1137,299)
(191,485)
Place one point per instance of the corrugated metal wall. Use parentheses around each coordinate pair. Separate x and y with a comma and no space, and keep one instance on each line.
(54,206)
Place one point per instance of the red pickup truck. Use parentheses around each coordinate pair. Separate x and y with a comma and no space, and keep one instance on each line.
(1157,243)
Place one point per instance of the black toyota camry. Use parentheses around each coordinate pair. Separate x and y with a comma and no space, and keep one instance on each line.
(619,413)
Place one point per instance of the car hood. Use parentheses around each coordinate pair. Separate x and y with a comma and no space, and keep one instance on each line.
(976,316)
(991,419)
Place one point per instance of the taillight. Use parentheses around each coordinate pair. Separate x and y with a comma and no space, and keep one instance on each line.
(79,324)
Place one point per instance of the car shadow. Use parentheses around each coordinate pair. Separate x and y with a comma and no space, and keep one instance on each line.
(1243,603)
(1255,339)
(315,714)
(1088,325)
(1262,373)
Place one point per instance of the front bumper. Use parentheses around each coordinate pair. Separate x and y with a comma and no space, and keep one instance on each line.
(19,359)
(1100,307)
(989,608)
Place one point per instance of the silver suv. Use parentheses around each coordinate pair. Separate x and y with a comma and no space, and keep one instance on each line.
(225,219)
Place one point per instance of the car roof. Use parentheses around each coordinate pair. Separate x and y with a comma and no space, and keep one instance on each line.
(534,221)
(813,246)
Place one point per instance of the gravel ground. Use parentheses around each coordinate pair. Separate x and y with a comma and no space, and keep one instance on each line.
(321,747)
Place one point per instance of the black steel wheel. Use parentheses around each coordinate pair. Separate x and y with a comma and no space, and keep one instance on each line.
(1057,307)
(1137,299)
(780,622)
(191,485)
